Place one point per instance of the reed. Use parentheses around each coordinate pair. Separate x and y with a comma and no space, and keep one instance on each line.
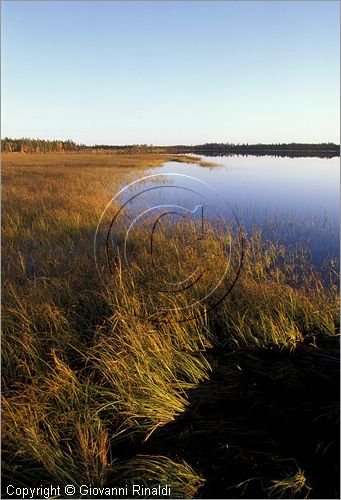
(90,368)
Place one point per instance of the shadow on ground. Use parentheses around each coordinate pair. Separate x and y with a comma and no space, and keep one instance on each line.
(262,415)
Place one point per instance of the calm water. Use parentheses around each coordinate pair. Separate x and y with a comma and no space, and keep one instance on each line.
(293,199)
(297,197)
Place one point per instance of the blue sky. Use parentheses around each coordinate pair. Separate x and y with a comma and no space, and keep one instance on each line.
(171,72)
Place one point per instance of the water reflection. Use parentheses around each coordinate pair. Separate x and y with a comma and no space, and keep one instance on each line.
(294,199)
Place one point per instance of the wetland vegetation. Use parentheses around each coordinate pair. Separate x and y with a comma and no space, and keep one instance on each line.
(241,401)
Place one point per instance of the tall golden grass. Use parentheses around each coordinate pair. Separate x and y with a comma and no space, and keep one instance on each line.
(86,367)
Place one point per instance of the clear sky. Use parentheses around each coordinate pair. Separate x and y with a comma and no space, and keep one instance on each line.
(174,72)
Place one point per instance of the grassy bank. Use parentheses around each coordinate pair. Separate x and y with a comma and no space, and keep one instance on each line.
(97,389)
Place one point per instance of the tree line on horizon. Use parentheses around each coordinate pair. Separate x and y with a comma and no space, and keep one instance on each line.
(28,145)
(294,149)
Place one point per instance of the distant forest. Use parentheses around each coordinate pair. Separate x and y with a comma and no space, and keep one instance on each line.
(25,145)
(325,150)
(292,149)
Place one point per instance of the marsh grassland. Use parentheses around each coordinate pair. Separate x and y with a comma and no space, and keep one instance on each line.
(241,401)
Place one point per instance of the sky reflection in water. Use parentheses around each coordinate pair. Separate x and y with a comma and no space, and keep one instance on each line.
(296,198)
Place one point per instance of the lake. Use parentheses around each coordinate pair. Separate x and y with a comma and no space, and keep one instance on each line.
(293,200)
(301,195)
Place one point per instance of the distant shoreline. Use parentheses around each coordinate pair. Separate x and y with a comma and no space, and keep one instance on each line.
(289,150)
(291,153)
(293,150)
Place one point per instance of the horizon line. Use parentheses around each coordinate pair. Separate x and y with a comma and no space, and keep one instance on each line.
(144,144)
